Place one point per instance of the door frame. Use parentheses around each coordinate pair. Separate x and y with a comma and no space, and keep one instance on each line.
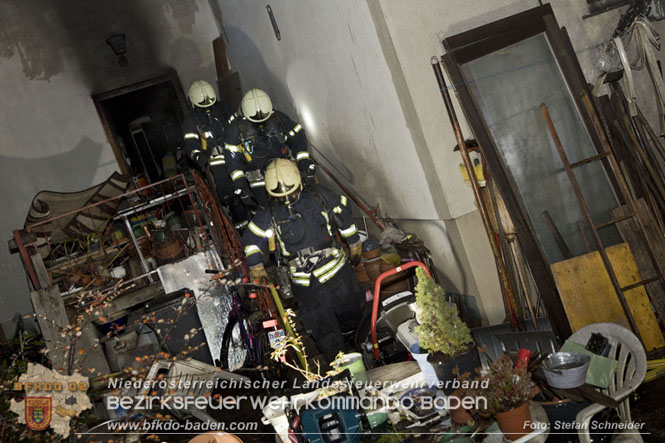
(475,43)
(170,77)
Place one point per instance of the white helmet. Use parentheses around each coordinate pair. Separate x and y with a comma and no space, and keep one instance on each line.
(282,178)
(202,94)
(256,106)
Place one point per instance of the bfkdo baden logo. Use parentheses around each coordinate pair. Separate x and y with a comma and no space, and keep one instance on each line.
(48,399)
(38,412)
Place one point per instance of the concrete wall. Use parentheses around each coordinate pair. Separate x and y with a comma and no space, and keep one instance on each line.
(330,71)
(53,56)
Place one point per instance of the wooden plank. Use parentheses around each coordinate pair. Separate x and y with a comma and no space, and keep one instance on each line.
(490,30)
(221,60)
(230,90)
(558,238)
(594,395)
(52,317)
(586,236)
(653,232)
(40,270)
(393,373)
(132,298)
(588,296)
(499,41)
(488,196)
(621,152)
(91,359)
(630,233)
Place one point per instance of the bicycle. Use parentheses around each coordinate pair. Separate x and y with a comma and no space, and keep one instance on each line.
(256,323)
(248,333)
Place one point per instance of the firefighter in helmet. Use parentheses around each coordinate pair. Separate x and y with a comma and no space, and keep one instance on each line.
(204,130)
(259,136)
(301,226)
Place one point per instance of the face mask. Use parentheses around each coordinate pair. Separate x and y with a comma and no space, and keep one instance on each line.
(290,199)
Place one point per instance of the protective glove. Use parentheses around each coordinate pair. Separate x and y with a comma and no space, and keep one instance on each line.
(310,175)
(355,252)
(246,198)
(258,273)
(202,160)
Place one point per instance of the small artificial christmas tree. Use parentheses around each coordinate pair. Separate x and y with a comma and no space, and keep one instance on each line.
(440,329)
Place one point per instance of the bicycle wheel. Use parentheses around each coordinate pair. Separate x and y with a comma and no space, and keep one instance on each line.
(235,352)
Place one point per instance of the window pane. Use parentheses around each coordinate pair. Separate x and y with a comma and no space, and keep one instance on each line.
(509,86)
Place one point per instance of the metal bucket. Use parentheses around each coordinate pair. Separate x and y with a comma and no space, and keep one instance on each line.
(566,369)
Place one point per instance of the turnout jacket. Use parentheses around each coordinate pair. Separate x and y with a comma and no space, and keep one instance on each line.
(252,146)
(204,135)
(303,236)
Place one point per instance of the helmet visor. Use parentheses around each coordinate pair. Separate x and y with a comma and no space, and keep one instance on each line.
(283,188)
(259,115)
(205,102)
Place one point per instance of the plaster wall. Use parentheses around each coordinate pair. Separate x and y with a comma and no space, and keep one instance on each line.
(53,56)
(329,71)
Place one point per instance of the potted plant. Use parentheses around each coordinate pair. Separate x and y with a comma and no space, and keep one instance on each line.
(442,333)
(504,393)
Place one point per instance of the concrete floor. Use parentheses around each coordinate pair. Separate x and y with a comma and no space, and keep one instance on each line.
(649,407)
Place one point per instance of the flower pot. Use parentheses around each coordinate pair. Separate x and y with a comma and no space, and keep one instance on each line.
(373,268)
(458,414)
(361,273)
(215,437)
(354,363)
(444,369)
(168,250)
(513,422)
(372,253)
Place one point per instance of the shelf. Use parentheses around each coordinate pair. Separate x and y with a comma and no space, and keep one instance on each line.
(152,203)
(74,261)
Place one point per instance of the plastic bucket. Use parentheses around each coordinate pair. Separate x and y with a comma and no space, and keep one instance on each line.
(425,366)
(376,418)
(354,363)
(274,414)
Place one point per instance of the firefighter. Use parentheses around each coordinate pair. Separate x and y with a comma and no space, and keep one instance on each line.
(204,130)
(300,225)
(259,136)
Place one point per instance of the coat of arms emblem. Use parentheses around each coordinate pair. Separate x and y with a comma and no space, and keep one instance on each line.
(38,412)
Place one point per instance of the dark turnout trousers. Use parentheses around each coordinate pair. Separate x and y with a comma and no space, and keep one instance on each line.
(331,308)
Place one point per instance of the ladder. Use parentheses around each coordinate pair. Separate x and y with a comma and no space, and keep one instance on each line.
(623,187)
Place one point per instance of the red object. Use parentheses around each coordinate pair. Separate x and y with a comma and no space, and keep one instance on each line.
(292,430)
(523,359)
(272,323)
(252,295)
(377,289)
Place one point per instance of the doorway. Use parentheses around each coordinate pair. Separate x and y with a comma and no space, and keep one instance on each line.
(143,124)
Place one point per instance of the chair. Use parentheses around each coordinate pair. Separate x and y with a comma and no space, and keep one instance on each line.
(631,359)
